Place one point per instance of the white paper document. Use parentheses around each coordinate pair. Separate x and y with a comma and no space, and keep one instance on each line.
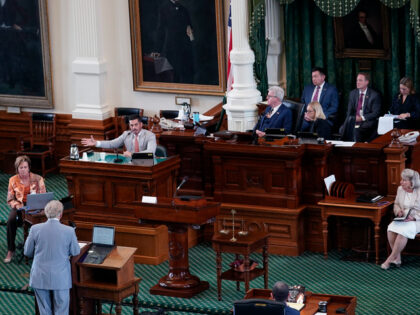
(338,143)
(329,181)
(386,123)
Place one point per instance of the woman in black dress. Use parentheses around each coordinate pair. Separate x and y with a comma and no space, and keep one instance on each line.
(316,121)
(406,105)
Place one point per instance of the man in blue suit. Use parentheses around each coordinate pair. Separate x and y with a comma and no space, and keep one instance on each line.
(276,114)
(322,92)
(51,243)
(280,293)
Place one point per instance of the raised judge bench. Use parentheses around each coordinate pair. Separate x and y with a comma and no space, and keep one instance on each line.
(107,193)
(276,186)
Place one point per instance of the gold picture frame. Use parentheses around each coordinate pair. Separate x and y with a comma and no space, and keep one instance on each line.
(25,62)
(185,55)
(350,41)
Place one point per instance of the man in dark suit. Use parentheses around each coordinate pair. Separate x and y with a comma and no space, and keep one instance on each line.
(276,114)
(363,36)
(322,92)
(365,106)
(280,293)
(51,243)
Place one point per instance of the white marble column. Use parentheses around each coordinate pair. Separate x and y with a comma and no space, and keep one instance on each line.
(242,99)
(88,66)
(275,35)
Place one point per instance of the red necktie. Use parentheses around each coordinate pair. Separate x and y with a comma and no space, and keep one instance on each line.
(315,98)
(136,144)
(359,104)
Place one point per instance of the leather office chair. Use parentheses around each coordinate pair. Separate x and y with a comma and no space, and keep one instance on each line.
(40,143)
(161,151)
(258,306)
(121,118)
(298,111)
(169,114)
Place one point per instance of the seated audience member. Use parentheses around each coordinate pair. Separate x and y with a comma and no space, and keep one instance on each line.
(136,139)
(406,105)
(407,203)
(20,185)
(315,121)
(363,110)
(280,293)
(322,92)
(50,244)
(276,115)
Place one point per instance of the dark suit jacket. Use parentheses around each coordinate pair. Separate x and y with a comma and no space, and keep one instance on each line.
(371,107)
(358,39)
(320,126)
(328,98)
(411,105)
(282,118)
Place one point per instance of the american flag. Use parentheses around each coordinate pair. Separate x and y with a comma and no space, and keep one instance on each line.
(229,66)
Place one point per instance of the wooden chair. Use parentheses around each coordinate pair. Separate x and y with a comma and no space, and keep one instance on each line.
(121,118)
(40,143)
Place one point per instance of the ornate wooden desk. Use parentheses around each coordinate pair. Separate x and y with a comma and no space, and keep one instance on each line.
(244,245)
(107,193)
(351,208)
(312,300)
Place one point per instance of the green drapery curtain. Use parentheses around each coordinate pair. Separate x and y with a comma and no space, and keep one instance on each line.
(310,42)
(343,7)
(259,44)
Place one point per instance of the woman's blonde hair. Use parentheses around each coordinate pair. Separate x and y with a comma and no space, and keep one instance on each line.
(19,160)
(412,176)
(319,113)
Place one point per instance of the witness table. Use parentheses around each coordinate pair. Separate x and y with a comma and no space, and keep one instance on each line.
(353,209)
(244,245)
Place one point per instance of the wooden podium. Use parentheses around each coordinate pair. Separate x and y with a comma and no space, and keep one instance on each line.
(113,280)
(177,217)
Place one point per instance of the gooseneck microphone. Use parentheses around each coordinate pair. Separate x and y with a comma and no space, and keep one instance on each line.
(184,180)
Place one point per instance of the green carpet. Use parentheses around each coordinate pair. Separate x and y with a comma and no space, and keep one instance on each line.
(394,291)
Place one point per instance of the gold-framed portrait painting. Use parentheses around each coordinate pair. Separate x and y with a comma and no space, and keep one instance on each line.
(178,46)
(364,32)
(25,65)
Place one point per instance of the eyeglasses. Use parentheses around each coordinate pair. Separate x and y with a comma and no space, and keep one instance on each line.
(271,96)
(310,111)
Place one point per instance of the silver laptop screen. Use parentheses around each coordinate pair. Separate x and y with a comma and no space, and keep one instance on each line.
(103,235)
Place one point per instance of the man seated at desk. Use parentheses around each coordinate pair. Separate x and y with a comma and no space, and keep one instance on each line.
(276,115)
(135,140)
(280,293)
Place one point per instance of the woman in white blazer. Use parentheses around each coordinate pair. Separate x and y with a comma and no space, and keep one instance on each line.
(407,204)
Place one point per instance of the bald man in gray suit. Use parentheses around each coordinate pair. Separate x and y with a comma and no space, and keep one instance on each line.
(136,139)
(50,244)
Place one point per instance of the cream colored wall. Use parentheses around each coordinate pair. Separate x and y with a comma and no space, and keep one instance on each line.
(115,48)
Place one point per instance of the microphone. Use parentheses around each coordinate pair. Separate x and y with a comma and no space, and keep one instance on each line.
(184,180)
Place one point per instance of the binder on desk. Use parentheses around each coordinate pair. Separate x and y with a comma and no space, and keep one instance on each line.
(367,197)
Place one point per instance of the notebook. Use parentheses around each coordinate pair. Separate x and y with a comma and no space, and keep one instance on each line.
(102,244)
(37,202)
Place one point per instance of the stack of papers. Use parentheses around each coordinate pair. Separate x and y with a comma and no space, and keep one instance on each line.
(341,143)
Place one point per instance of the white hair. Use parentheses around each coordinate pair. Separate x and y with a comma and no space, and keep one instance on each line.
(278,92)
(412,176)
(53,209)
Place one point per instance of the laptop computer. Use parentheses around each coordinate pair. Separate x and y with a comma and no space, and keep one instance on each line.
(37,202)
(142,159)
(102,244)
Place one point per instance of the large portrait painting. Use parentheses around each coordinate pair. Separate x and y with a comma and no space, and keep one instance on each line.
(25,69)
(178,46)
(364,33)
